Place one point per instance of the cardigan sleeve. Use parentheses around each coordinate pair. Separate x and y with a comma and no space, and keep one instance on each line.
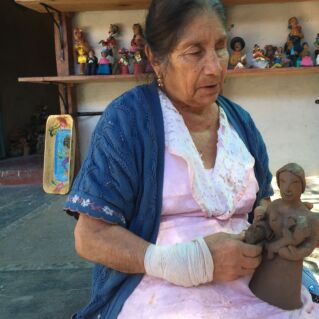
(106,185)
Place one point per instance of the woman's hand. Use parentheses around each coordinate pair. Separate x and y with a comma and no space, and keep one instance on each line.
(232,257)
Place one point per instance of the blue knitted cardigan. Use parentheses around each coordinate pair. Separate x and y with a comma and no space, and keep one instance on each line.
(121,181)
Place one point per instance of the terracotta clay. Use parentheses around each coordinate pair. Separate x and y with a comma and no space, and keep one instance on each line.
(289,232)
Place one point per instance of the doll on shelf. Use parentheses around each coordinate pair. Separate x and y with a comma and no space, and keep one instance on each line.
(123,61)
(81,48)
(316,44)
(259,60)
(110,45)
(295,35)
(305,55)
(105,62)
(137,49)
(237,59)
(92,63)
(270,53)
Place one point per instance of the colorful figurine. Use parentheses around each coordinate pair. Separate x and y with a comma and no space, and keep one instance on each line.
(293,46)
(259,60)
(92,63)
(81,48)
(270,53)
(316,43)
(137,49)
(105,63)
(237,59)
(110,46)
(305,55)
(123,60)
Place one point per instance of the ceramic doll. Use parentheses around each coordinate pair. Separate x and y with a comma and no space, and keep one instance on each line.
(316,43)
(123,61)
(270,54)
(81,48)
(92,63)
(295,36)
(137,49)
(305,55)
(259,60)
(237,57)
(104,64)
(291,53)
(289,232)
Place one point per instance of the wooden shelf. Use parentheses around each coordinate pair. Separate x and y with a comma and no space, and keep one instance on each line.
(272,72)
(82,79)
(96,5)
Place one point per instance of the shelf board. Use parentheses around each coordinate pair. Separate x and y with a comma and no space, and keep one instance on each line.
(271,72)
(81,79)
(97,5)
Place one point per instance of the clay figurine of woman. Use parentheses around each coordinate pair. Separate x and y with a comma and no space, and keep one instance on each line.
(110,46)
(237,58)
(293,233)
(295,35)
(305,55)
(92,63)
(123,61)
(316,44)
(137,49)
(105,67)
(81,48)
(259,60)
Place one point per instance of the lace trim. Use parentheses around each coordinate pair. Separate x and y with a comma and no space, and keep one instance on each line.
(216,191)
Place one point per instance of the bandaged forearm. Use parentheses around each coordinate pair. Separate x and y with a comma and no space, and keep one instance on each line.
(185,264)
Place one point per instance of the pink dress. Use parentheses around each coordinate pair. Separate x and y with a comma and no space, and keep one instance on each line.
(199,202)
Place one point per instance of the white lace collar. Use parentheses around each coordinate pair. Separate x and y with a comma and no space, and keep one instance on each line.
(218,190)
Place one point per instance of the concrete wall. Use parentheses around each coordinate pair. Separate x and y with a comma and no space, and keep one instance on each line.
(283,107)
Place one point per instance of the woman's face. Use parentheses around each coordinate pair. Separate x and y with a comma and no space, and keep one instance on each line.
(195,72)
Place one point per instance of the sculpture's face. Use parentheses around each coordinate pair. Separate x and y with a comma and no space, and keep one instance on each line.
(290,187)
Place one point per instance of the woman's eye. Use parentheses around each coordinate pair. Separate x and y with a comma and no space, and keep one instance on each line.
(195,52)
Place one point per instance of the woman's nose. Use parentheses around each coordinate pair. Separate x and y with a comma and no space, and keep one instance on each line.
(213,65)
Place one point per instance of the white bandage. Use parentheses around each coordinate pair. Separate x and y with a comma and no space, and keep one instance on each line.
(185,264)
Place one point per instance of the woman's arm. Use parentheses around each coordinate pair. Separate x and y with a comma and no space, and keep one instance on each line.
(109,245)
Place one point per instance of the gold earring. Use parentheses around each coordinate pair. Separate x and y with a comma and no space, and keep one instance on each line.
(159,81)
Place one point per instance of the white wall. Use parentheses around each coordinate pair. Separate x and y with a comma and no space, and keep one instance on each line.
(283,107)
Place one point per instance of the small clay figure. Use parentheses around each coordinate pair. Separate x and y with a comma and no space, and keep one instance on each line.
(290,233)
(110,46)
(316,44)
(123,60)
(259,60)
(81,48)
(270,54)
(92,63)
(305,55)
(293,46)
(137,49)
(237,59)
(104,63)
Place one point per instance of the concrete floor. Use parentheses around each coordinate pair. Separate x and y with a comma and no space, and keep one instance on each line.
(40,274)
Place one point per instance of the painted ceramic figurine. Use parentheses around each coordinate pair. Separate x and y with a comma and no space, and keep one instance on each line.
(259,60)
(289,232)
(293,44)
(137,49)
(305,55)
(92,63)
(316,43)
(81,48)
(123,60)
(110,46)
(270,54)
(105,61)
(237,57)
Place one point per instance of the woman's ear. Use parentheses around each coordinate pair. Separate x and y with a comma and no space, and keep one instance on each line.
(152,59)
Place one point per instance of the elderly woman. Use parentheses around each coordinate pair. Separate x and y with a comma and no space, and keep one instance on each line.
(173,170)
